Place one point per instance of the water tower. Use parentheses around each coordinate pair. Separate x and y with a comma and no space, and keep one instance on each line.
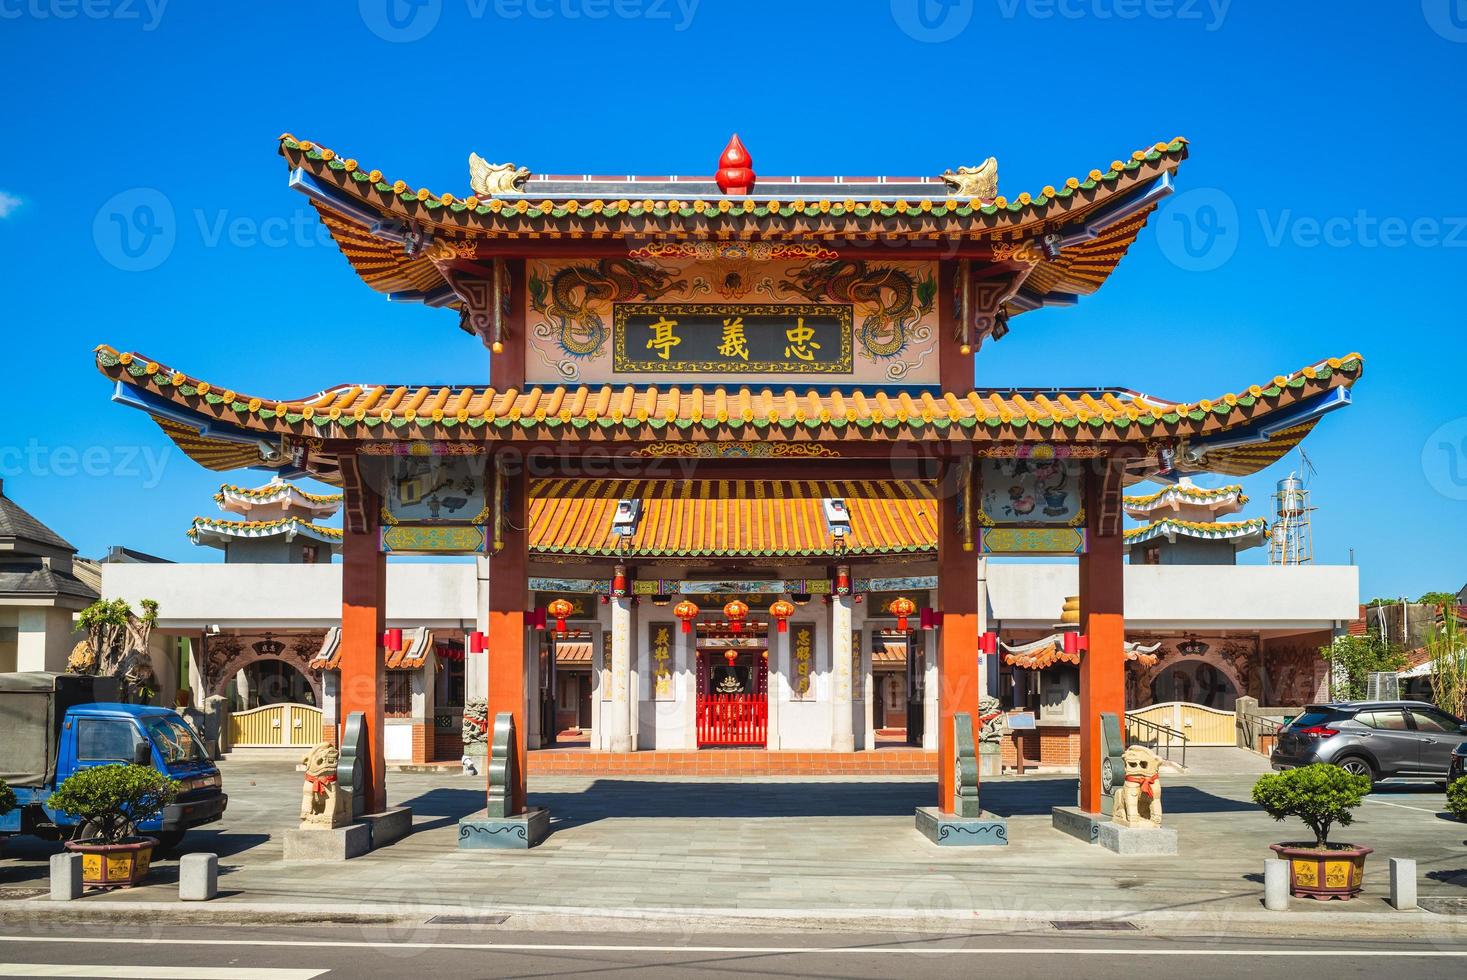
(1290,542)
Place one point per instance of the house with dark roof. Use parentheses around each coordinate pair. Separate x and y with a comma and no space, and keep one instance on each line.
(40,592)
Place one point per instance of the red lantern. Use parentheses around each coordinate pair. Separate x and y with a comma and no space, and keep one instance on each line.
(736,611)
(730,656)
(781,610)
(988,642)
(476,642)
(392,640)
(842,580)
(1076,643)
(619,581)
(687,612)
(560,609)
(901,607)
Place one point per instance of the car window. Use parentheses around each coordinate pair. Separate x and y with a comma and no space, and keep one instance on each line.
(104,740)
(1310,719)
(1391,720)
(176,742)
(1432,720)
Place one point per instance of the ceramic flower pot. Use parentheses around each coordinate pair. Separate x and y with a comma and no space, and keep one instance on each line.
(1336,871)
(114,865)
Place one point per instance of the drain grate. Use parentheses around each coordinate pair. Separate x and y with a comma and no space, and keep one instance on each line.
(16,894)
(468,920)
(1445,906)
(1093,925)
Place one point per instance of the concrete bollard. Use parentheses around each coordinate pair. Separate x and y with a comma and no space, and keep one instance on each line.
(1276,885)
(1403,884)
(198,877)
(66,876)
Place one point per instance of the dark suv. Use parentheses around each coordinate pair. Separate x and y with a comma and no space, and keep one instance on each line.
(1379,739)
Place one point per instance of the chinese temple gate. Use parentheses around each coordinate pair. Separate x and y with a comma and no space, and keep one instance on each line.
(695,381)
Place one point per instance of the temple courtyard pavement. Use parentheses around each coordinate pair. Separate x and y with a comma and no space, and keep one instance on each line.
(769,854)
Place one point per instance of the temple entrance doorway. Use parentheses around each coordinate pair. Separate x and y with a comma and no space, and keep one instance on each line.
(897,665)
(733,694)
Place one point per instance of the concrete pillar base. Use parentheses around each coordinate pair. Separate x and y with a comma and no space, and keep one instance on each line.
(517,833)
(950,830)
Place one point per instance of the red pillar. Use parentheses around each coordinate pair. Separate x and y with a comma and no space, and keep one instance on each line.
(509,588)
(1102,619)
(363,620)
(957,654)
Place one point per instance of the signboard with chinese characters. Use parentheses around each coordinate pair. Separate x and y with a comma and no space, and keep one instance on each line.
(759,311)
(738,338)
(802,662)
(661,634)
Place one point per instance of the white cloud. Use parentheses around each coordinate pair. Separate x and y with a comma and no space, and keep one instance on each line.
(8,203)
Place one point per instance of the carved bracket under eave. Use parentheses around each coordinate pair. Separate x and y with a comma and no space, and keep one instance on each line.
(983,294)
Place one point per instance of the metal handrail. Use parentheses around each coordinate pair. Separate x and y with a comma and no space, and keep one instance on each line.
(1158,731)
(1256,725)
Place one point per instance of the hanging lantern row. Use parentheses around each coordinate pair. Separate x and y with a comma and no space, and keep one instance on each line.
(560,610)
(781,610)
(736,612)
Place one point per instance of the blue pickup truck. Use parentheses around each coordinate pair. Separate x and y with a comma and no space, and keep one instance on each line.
(57,724)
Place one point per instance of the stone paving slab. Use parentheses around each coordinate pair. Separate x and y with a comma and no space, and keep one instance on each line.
(781,845)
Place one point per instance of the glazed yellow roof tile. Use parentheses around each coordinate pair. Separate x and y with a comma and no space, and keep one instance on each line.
(683,413)
(260,529)
(271,491)
(716,518)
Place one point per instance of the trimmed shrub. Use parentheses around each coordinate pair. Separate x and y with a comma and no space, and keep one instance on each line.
(7,798)
(1321,795)
(1457,797)
(114,799)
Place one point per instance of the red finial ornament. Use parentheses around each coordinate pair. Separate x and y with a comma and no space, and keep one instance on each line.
(735,168)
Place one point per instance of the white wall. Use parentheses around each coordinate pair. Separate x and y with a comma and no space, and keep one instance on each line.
(1187,596)
(192,596)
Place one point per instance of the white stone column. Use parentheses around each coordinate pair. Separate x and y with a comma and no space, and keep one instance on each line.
(619,725)
(779,660)
(685,679)
(842,734)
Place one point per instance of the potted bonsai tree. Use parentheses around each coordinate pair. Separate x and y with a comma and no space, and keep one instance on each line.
(1321,795)
(109,802)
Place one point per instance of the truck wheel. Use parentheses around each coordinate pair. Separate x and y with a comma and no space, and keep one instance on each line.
(1356,766)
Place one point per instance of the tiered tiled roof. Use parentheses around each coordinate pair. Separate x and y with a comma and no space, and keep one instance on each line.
(1245,534)
(370,215)
(727,518)
(278,497)
(1267,419)
(215,531)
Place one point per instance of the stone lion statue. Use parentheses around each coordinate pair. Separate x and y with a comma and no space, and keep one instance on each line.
(476,722)
(1138,797)
(322,804)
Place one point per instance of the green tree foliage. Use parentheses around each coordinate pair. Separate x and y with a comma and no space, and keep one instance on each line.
(1438,599)
(7,798)
(1321,795)
(113,799)
(1353,659)
(1457,797)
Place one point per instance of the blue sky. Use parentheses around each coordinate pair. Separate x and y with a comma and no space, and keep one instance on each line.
(1323,201)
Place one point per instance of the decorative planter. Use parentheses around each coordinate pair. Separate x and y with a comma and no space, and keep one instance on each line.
(1337,871)
(114,865)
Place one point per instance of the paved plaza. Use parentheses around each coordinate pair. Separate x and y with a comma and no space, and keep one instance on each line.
(787,848)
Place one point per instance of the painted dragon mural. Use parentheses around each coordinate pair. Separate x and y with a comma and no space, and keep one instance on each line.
(892,297)
(570,296)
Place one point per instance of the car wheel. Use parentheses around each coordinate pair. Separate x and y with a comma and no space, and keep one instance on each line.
(1356,766)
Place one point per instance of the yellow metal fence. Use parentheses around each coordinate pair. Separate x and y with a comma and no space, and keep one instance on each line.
(1202,725)
(275,725)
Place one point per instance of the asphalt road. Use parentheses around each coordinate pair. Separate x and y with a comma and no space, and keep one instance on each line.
(503,951)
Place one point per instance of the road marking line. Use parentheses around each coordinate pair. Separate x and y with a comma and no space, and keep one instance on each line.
(147,972)
(1371,799)
(761,950)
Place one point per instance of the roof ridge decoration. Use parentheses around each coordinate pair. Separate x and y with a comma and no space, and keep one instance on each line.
(262,529)
(1190,493)
(274,490)
(446,208)
(1205,530)
(974,183)
(491,179)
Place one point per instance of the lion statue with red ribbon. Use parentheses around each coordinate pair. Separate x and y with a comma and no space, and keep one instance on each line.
(1138,797)
(322,805)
